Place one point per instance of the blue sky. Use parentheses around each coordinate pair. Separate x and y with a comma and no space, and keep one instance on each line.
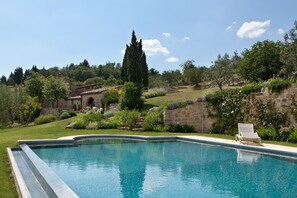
(57,33)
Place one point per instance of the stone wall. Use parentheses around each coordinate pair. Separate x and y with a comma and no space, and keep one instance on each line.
(97,98)
(196,114)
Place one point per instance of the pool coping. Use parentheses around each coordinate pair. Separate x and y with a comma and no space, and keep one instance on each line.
(55,187)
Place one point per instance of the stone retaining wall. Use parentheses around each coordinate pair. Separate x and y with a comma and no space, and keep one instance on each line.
(196,114)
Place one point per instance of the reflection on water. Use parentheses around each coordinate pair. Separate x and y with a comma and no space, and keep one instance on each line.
(170,169)
(246,157)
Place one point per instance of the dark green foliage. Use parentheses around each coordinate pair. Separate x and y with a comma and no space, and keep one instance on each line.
(65,115)
(45,119)
(134,67)
(277,84)
(131,97)
(251,88)
(228,107)
(18,75)
(262,62)
(172,77)
(72,113)
(284,134)
(293,107)
(180,128)
(268,116)
(268,133)
(3,80)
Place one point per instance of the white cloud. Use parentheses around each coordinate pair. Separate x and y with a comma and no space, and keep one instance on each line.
(252,29)
(280,31)
(171,59)
(186,38)
(167,34)
(154,47)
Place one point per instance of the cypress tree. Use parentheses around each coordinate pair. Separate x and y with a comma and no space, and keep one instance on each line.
(134,67)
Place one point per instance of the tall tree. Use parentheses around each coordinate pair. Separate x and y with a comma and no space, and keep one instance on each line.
(10,80)
(134,67)
(261,62)
(221,71)
(31,83)
(55,89)
(3,80)
(18,75)
(289,52)
(191,73)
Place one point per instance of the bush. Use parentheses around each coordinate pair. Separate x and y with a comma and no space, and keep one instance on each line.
(65,115)
(96,117)
(72,113)
(92,125)
(131,97)
(45,119)
(284,134)
(155,92)
(111,96)
(110,113)
(268,116)
(79,124)
(278,84)
(153,119)
(129,118)
(293,136)
(180,128)
(103,124)
(251,88)
(267,133)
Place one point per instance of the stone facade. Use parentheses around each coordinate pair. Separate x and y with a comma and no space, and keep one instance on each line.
(196,114)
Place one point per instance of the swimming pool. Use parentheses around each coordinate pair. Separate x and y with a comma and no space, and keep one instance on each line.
(169,169)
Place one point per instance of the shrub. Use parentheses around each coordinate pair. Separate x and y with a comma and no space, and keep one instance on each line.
(92,118)
(267,115)
(251,88)
(92,125)
(30,109)
(79,124)
(293,136)
(72,113)
(153,119)
(267,133)
(45,119)
(103,124)
(132,96)
(65,115)
(284,134)
(180,128)
(278,84)
(155,92)
(110,113)
(228,108)
(111,96)
(129,118)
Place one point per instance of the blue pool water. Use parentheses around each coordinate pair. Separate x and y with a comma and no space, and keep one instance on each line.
(170,169)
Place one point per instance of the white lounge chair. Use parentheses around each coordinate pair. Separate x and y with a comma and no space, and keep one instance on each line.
(246,133)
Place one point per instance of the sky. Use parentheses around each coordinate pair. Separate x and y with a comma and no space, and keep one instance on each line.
(57,33)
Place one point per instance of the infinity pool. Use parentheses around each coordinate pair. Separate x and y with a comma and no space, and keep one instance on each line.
(169,169)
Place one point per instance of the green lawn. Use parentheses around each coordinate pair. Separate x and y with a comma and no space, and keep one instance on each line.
(9,137)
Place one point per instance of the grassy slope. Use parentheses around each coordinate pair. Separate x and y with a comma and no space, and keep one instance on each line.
(180,96)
